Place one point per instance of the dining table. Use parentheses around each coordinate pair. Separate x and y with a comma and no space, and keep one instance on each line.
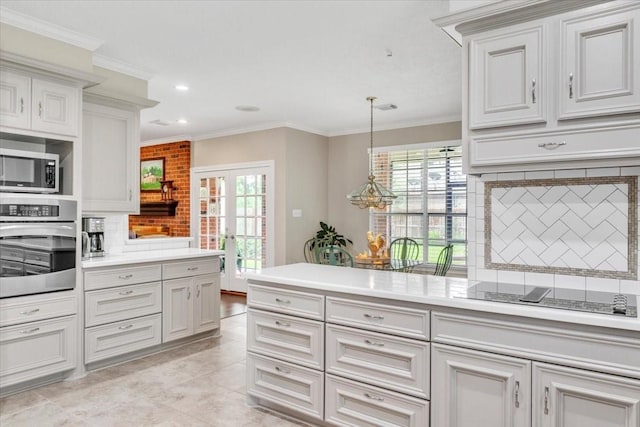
(394,264)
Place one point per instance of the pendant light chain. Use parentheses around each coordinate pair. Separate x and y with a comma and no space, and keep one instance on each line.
(371,194)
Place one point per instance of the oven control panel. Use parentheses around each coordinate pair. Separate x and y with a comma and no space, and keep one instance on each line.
(21,210)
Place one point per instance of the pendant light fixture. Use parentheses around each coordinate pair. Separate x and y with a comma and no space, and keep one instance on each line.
(371,194)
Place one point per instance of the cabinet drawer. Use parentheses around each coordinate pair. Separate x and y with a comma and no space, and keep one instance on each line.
(192,267)
(37,349)
(289,385)
(111,278)
(286,337)
(102,342)
(27,309)
(401,321)
(284,301)
(348,403)
(111,305)
(395,363)
(555,146)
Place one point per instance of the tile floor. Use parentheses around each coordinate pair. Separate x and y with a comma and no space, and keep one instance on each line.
(199,384)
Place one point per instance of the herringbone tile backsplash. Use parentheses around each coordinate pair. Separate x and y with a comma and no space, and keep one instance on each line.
(569,226)
(572,228)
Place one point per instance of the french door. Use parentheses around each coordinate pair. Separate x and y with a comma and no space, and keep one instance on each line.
(232,210)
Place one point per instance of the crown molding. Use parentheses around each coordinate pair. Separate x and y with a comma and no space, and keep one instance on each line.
(47,29)
(400,125)
(167,140)
(121,67)
(257,128)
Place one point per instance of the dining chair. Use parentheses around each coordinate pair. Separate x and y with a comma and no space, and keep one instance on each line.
(333,255)
(405,248)
(309,251)
(444,261)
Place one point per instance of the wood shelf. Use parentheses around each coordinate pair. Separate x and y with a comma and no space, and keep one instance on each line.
(164,208)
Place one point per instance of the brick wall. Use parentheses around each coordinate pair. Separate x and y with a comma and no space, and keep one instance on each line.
(177,162)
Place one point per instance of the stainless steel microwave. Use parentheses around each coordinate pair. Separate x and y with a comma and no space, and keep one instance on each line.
(28,171)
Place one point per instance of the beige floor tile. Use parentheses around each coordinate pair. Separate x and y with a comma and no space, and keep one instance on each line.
(19,402)
(46,414)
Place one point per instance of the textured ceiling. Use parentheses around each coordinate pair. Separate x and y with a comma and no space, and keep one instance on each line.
(306,64)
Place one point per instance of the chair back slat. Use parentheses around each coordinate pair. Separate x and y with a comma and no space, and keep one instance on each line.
(333,255)
(444,261)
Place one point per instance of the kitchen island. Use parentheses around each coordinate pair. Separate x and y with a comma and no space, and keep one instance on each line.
(342,346)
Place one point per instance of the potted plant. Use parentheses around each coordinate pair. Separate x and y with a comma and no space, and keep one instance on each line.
(327,235)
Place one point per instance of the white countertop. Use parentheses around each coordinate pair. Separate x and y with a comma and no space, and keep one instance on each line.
(138,257)
(426,289)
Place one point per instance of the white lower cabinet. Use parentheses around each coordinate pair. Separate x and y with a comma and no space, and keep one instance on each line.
(480,389)
(351,403)
(286,384)
(566,397)
(476,389)
(117,338)
(190,297)
(36,349)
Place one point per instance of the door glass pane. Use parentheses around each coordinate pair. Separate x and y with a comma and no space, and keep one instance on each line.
(250,221)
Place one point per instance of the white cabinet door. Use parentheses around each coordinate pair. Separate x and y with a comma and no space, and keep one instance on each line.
(177,309)
(15,100)
(54,107)
(506,77)
(110,149)
(566,397)
(600,64)
(37,349)
(477,389)
(206,303)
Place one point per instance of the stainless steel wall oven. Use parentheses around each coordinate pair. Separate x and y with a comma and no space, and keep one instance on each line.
(37,245)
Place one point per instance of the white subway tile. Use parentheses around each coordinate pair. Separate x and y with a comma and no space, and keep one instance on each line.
(570,173)
(486,275)
(603,285)
(603,172)
(516,277)
(471,273)
(630,170)
(538,279)
(539,175)
(511,176)
(630,287)
(489,177)
(471,202)
(570,282)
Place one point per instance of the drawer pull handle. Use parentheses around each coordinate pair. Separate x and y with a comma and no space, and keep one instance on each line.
(374,397)
(376,343)
(283,301)
(284,371)
(29,331)
(125,293)
(125,276)
(533,91)
(517,394)
(28,312)
(192,268)
(373,316)
(552,145)
(285,324)
(546,400)
(570,85)
(125,327)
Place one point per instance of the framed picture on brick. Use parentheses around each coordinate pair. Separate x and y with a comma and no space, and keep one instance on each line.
(151,174)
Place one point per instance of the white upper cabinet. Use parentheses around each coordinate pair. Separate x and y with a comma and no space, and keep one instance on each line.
(599,70)
(550,85)
(110,157)
(506,77)
(38,104)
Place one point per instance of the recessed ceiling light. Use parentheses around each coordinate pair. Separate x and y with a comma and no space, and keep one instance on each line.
(247,108)
(182,87)
(182,121)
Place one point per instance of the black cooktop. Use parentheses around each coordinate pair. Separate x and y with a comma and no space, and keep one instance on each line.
(567,299)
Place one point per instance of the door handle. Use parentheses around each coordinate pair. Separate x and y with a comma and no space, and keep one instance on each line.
(533,91)
(546,400)
(517,394)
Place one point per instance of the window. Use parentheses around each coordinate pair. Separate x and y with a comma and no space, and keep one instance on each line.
(431,207)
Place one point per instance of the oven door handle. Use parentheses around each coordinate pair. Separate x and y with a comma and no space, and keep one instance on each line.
(63,229)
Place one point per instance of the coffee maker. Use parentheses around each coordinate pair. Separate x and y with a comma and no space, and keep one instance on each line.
(92,237)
